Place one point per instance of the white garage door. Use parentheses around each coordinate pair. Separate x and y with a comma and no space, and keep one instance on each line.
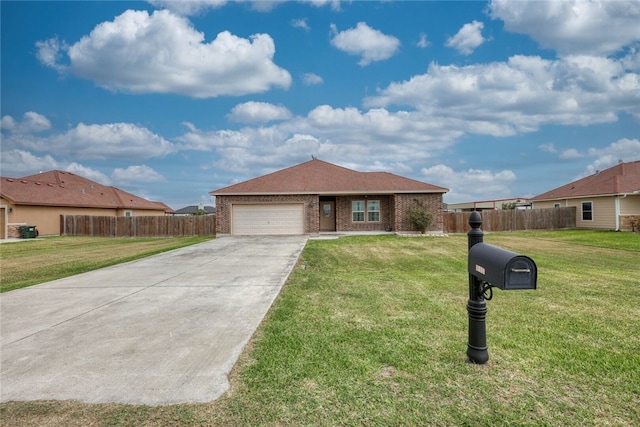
(267,219)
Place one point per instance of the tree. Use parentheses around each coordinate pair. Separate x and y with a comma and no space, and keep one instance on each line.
(419,217)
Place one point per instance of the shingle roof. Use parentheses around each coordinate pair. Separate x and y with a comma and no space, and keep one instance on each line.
(320,177)
(620,179)
(59,188)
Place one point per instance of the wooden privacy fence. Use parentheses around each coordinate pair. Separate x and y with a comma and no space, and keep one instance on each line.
(513,220)
(137,226)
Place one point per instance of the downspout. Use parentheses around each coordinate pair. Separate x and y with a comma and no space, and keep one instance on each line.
(617,209)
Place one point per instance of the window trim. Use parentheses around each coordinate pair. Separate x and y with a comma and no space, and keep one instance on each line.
(354,211)
(128,213)
(585,211)
(372,211)
(365,213)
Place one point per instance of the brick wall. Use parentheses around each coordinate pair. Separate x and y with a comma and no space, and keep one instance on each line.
(404,203)
(394,211)
(344,218)
(311,208)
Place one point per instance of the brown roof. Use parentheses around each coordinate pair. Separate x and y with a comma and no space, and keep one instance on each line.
(59,188)
(319,177)
(620,179)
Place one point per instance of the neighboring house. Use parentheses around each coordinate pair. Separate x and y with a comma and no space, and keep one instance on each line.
(480,205)
(608,199)
(317,196)
(40,200)
(193,210)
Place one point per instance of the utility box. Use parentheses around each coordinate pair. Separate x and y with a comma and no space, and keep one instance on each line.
(28,231)
(502,268)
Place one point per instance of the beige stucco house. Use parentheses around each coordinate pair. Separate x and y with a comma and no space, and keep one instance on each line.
(317,196)
(40,199)
(608,199)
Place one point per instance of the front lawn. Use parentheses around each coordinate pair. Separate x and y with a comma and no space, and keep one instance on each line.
(29,262)
(372,331)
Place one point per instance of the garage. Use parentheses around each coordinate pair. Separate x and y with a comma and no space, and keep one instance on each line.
(261,219)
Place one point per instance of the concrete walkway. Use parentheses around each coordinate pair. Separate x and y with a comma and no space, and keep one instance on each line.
(161,330)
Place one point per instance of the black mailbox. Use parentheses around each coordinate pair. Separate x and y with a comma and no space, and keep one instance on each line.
(501,268)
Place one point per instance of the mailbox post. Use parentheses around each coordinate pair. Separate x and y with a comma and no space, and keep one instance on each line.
(477,351)
(489,267)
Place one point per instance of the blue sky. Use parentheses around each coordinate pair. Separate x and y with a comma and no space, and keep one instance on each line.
(170,100)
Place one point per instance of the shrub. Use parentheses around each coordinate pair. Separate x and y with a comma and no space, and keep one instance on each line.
(419,217)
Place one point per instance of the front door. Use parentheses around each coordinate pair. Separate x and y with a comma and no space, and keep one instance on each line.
(327,216)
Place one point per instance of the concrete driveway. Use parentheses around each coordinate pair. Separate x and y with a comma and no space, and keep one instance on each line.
(161,330)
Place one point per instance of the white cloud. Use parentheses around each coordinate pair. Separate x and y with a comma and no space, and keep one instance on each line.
(258,112)
(399,135)
(625,149)
(371,45)
(227,139)
(188,7)
(394,141)
(136,175)
(463,185)
(310,79)
(114,140)
(520,95)
(18,163)
(588,27)
(570,153)
(423,42)
(50,53)
(549,148)
(468,38)
(163,53)
(107,141)
(88,173)
(301,23)
(335,4)
(31,123)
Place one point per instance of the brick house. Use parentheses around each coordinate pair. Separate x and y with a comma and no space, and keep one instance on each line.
(317,196)
(40,200)
(606,200)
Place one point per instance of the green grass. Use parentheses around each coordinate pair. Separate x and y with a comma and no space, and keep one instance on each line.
(373,330)
(36,261)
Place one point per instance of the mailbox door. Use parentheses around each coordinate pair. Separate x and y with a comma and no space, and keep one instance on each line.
(521,273)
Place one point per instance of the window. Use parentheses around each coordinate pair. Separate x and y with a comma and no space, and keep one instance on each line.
(556,205)
(128,213)
(357,210)
(373,210)
(587,211)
